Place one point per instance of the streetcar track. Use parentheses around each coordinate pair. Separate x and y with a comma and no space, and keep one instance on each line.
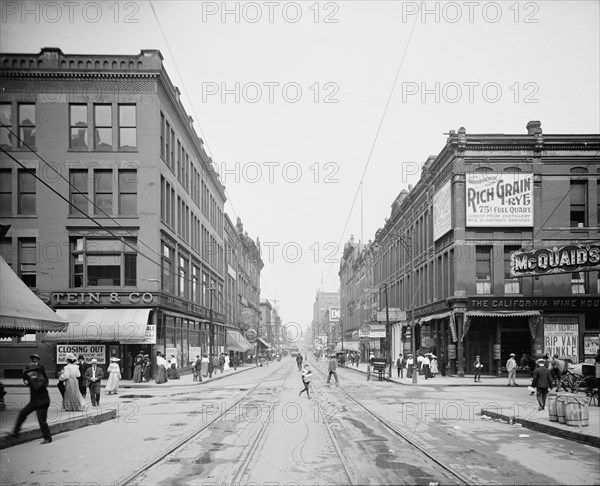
(403,436)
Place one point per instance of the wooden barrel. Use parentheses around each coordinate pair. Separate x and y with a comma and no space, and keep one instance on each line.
(561,411)
(552,407)
(576,411)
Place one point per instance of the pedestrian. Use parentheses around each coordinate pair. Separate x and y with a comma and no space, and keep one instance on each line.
(434,366)
(61,385)
(299,361)
(477,367)
(332,368)
(146,369)
(93,377)
(222,363)
(114,375)
(226,364)
(197,368)
(306,379)
(399,365)
(426,366)
(161,369)
(73,400)
(215,363)
(443,365)
(36,379)
(83,366)
(205,363)
(542,382)
(128,367)
(419,363)
(138,365)
(511,367)
(410,366)
(234,361)
(173,373)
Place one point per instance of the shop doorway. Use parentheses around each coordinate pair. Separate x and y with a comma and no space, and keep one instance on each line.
(479,342)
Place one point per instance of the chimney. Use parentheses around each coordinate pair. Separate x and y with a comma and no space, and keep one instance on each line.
(534,128)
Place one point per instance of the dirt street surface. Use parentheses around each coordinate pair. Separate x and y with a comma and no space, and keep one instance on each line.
(253,428)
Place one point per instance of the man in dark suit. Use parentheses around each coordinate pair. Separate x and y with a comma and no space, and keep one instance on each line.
(36,379)
(542,381)
(93,375)
(83,366)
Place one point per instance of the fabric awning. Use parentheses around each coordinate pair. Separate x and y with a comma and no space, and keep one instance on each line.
(236,342)
(348,346)
(264,343)
(432,317)
(92,325)
(529,313)
(21,310)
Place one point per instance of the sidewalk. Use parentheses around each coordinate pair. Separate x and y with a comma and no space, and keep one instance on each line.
(17,396)
(525,413)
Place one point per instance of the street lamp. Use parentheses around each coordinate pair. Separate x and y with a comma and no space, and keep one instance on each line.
(404,241)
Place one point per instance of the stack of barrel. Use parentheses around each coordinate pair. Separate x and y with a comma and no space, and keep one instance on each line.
(568,408)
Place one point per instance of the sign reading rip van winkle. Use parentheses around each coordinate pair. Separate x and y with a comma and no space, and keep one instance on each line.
(500,199)
(563,259)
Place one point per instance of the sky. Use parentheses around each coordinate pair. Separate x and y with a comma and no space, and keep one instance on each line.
(317,113)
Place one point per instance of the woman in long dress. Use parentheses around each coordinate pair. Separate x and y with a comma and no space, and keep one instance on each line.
(226,365)
(137,372)
(173,373)
(161,372)
(73,399)
(114,375)
(434,366)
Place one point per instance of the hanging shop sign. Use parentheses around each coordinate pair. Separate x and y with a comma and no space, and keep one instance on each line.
(561,337)
(563,259)
(499,199)
(395,315)
(89,352)
(534,303)
(496,351)
(442,211)
(377,331)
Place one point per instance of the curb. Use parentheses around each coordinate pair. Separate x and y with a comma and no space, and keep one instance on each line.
(57,428)
(591,440)
(423,381)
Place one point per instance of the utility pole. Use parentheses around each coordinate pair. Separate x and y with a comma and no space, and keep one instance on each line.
(388,335)
(211,330)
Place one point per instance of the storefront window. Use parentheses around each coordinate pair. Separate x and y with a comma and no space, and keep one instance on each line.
(103,262)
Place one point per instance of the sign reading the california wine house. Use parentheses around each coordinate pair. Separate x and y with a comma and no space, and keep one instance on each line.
(500,199)
(563,259)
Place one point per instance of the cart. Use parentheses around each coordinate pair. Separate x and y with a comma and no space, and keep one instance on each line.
(378,366)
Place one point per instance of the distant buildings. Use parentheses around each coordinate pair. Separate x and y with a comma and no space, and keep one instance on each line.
(116,213)
(445,252)
(326,320)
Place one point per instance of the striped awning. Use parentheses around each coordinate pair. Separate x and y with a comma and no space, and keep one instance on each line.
(528,313)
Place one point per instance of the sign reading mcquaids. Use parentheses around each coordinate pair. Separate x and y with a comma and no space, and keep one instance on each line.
(564,259)
(504,199)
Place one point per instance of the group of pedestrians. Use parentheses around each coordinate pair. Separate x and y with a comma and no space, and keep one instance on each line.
(306,375)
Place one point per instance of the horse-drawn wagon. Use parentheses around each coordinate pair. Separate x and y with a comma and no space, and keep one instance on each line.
(378,366)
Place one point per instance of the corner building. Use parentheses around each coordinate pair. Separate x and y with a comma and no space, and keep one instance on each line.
(135,262)
(445,251)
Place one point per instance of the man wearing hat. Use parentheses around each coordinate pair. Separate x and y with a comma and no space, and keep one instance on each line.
(477,367)
(542,382)
(93,375)
(36,379)
(511,367)
(83,366)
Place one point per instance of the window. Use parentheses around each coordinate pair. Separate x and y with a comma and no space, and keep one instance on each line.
(127,127)
(5,192)
(78,179)
(162,135)
(195,281)
(128,183)
(578,283)
(28,261)
(167,144)
(183,277)
(578,203)
(204,289)
(512,285)
(168,270)
(103,191)
(6,136)
(172,155)
(104,262)
(103,127)
(27,125)
(26,191)
(483,270)
(78,124)
(179,169)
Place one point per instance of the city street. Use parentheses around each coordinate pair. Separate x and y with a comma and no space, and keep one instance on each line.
(252,428)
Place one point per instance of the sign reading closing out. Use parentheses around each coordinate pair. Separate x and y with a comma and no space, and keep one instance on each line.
(499,199)
(89,352)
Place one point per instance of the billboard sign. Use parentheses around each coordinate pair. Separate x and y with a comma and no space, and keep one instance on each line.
(563,259)
(442,211)
(394,313)
(561,337)
(89,351)
(334,313)
(499,199)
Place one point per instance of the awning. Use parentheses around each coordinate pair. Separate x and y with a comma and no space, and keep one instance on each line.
(528,313)
(348,346)
(264,343)
(21,310)
(236,342)
(92,325)
(432,317)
